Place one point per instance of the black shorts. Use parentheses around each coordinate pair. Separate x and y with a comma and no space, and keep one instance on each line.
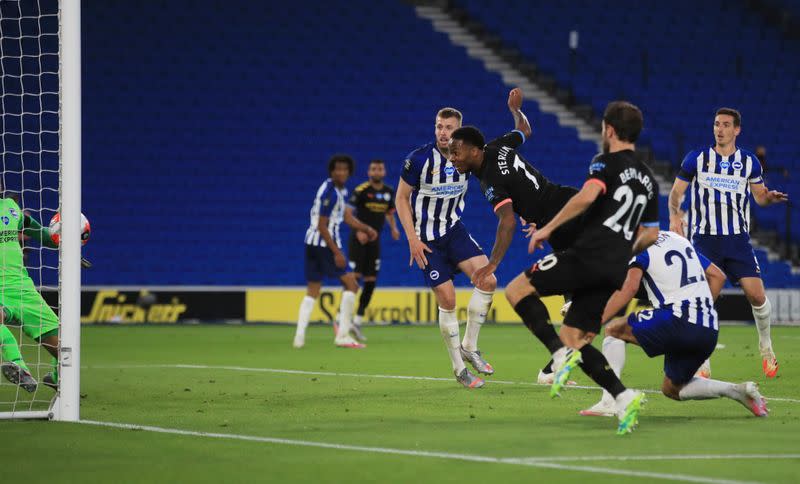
(590,280)
(365,259)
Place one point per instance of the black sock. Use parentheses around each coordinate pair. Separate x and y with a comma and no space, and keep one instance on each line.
(548,368)
(535,316)
(596,366)
(366,295)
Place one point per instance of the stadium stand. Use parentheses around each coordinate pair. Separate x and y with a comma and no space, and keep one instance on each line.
(231,152)
(205,137)
(717,65)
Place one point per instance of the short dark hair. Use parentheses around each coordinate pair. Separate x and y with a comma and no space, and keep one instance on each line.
(626,119)
(737,116)
(449,113)
(376,161)
(341,158)
(469,135)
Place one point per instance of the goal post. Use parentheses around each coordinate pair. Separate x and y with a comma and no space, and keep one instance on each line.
(67,404)
(40,125)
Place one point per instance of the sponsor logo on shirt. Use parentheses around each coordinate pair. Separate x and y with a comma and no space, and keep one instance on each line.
(449,170)
(725,183)
(596,166)
(449,190)
(489,193)
(5,220)
(724,164)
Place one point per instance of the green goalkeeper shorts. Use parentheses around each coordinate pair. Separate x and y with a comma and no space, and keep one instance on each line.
(25,306)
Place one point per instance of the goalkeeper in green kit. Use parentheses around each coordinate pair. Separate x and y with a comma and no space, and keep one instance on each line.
(20,302)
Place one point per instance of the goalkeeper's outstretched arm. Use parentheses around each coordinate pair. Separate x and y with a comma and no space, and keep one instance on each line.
(33,228)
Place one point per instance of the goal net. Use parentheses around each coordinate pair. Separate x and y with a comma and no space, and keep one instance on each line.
(38,170)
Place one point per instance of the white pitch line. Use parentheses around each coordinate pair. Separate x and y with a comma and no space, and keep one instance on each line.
(529,462)
(626,458)
(365,375)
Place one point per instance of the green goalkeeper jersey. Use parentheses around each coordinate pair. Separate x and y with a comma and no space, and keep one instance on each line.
(12,267)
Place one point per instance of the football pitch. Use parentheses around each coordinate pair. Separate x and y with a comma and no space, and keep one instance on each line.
(238,404)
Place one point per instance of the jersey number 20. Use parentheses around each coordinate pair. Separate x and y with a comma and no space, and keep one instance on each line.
(631,210)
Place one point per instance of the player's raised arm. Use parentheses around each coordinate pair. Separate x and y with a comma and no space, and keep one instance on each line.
(515,106)
(33,228)
(575,206)
(416,247)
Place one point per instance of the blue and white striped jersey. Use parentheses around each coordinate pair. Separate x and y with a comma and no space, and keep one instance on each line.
(674,276)
(720,190)
(328,202)
(437,199)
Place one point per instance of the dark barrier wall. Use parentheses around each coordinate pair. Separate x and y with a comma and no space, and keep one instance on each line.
(413,305)
(126,306)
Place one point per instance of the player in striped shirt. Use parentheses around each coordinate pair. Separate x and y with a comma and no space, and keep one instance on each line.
(323,251)
(683,326)
(430,200)
(722,179)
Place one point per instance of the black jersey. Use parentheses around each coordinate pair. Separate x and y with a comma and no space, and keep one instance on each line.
(507,177)
(372,205)
(629,198)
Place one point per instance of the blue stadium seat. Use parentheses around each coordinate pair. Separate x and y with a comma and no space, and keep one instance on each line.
(692,65)
(203,148)
(207,131)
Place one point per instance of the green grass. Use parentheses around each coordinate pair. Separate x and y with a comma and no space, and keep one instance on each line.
(499,420)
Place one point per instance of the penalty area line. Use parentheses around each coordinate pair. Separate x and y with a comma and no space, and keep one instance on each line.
(544,462)
(362,375)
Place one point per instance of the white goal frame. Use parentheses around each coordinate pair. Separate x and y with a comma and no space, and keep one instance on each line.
(65,405)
